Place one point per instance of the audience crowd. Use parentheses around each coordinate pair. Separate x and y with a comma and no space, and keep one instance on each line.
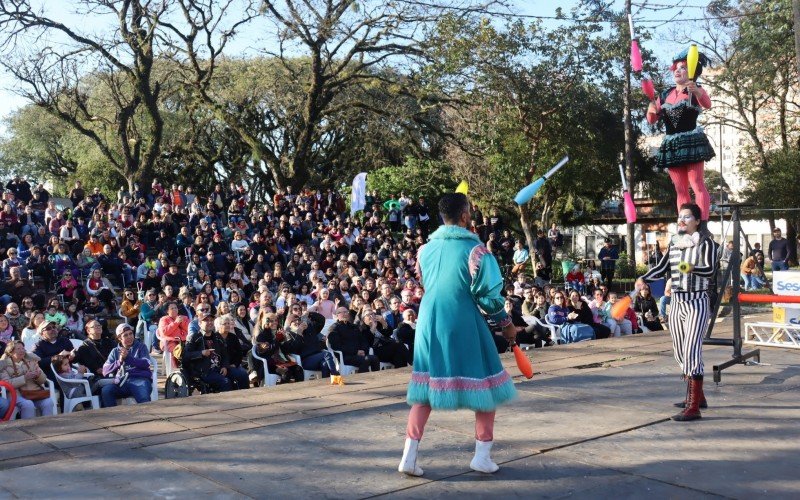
(219,287)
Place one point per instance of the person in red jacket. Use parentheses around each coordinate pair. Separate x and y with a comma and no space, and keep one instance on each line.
(172,329)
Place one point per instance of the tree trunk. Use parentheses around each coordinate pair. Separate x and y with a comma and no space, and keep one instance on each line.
(796,18)
(630,244)
(791,235)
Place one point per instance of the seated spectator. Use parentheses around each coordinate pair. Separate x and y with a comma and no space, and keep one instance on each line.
(345,337)
(172,278)
(94,352)
(243,324)
(30,334)
(130,307)
(74,323)
(18,321)
(323,305)
(378,334)
(18,288)
(752,270)
(406,332)
(576,279)
(645,304)
(521,257)
(95,308)
(237,348)
(206,356)
(151,280)
(50,344)
(572,330)
(114,267)
(62,365)
(86,261)
(13,261)
(172,330)
(69,287)
(534,334)
(21,369)
(55,314)
(38,266)
(130,365)
(602,314)
(393,316)
(584,315)
(94,245)
(98,286)
(6,332)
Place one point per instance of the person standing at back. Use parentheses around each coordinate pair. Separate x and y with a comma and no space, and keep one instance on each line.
(778,251)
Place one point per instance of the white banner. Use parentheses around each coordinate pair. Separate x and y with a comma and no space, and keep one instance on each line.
(358,197)
(786,282)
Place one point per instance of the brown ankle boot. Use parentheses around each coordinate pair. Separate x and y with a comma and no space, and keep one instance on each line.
(703,402)
(692,410)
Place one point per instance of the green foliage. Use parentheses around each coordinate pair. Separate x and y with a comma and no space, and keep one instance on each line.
(415,177)
(624,270)
(775,184)
(37,145)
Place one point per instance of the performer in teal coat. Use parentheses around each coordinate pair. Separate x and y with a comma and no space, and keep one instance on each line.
(456,364)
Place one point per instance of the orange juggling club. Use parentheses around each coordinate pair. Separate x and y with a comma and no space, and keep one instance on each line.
(621,306)
(523,363)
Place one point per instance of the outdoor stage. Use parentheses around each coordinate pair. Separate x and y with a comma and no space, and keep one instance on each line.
(593,424)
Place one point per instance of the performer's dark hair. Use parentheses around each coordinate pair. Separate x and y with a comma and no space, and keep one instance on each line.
(451,206)
(694,209)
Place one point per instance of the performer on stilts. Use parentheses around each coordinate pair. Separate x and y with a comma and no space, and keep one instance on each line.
(691,263)
(456,364)
(685,148)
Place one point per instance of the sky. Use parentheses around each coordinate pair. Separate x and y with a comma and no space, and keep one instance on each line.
(656,11)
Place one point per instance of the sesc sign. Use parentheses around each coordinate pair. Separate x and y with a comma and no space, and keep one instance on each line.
(786,282)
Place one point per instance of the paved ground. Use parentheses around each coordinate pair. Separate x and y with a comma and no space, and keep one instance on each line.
(593,423)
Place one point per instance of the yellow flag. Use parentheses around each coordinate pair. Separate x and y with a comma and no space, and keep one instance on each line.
(463,188)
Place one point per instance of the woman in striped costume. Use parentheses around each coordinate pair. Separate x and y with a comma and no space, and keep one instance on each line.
(690,262)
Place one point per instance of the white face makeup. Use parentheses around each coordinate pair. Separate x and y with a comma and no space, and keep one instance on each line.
(687,224)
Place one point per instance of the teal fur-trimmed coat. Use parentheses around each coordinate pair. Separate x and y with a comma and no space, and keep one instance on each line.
(456,364)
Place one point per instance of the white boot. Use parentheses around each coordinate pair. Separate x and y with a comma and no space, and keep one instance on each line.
(482,462)
(408,464)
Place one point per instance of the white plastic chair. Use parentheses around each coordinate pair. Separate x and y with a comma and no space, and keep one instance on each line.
(307,374)
(166,357)
(144,332)
(270,379)
(555,330)
(338,357)
(53,395)
(68,386)
(123,318)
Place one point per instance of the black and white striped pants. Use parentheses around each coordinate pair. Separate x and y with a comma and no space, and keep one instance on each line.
(688,320)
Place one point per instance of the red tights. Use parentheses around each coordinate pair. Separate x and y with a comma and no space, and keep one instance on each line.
(687,175)
(418,416)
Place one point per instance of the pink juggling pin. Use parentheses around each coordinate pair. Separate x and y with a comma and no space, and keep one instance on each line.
(630,208)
